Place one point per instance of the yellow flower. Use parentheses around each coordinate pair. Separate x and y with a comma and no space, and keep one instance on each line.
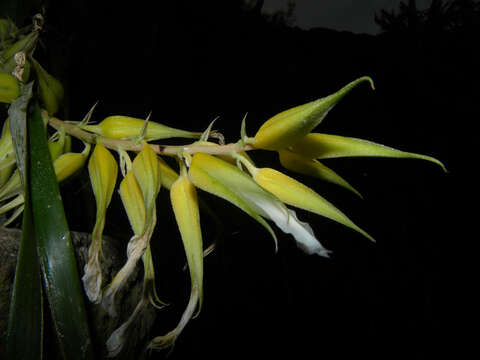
(138,191)
(294,193)
(103,171)
(228,182)
(185,206)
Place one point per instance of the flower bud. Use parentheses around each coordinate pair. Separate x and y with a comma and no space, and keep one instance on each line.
(289,126)
(121,127)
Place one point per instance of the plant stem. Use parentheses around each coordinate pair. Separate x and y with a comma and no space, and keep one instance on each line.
(128,145)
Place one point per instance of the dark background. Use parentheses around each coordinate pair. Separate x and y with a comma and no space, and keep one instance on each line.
(190,61)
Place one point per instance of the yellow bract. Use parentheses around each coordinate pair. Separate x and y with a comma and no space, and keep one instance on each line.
(324,146)
(68,164)
(103,171)
(296,194)
(288,127)
(185,206)
(121,127)
(146,168)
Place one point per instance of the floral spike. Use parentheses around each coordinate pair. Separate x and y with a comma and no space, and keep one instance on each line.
(324,146)
(296,194)
(185,206)
(312,167)
(227,181)
(103,171)
(289,126)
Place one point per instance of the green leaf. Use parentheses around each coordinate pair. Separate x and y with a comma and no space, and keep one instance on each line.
(17,113)
(55,250)
(25,322)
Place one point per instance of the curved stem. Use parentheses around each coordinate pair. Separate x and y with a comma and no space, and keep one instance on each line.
(119,144)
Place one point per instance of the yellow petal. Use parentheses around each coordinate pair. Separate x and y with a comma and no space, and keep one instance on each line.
(311,167)
(324,146)
(289,126)
(296,194)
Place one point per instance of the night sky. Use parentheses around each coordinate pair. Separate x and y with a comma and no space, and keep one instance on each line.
(342,15)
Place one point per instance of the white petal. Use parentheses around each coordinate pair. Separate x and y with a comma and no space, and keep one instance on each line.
(286,219)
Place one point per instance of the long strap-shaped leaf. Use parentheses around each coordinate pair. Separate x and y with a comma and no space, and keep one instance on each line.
(25,322)
(57,258)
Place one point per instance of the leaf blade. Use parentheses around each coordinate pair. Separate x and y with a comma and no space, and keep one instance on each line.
(57,258)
